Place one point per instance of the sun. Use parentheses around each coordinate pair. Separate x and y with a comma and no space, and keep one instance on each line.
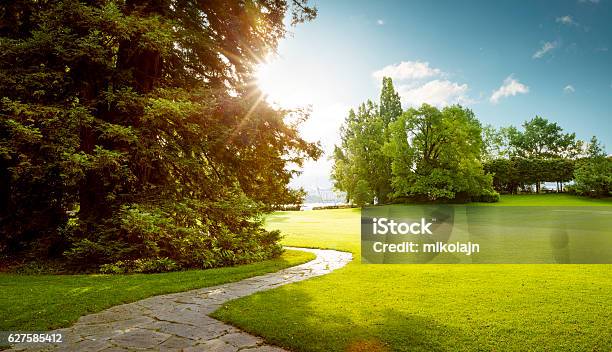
(270,84)
(279,85)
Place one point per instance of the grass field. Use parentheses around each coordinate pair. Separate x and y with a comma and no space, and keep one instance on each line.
(429,307)
(504,234)
(43,302)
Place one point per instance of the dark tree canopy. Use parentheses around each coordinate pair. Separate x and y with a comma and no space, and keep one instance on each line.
(516,174)
(132,129)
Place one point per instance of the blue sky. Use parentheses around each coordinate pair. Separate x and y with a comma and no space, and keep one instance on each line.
(506,60)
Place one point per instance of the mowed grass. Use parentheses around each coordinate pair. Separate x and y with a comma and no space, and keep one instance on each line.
(429,307)
(44,302)
(552,199)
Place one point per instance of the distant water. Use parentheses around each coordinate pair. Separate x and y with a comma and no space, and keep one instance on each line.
(309,206)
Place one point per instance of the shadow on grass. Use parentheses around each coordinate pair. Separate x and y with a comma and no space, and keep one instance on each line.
(301,329)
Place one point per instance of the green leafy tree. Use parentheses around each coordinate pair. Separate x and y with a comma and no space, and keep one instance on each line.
(541,139)
(361,168)
(594,175)
(505,175)
(495,142)
(436,154)
(359,155)
(131,129)
(390,103)
(390,110)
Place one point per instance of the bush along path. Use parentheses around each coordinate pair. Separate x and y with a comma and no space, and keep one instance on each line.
(180,321)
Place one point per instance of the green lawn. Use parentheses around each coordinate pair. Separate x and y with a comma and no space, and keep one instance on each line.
(425,307)
(528,200)
(43,302)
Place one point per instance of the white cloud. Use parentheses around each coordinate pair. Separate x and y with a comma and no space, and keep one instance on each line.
(569,89)
(437,93)
(548,46)
(417,82)
(510,87)
(566,20)
(407,70)
(380,22)
(589,1)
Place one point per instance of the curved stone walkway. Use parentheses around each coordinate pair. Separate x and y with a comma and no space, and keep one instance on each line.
(180,321)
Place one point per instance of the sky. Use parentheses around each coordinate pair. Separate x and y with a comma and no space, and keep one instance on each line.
(506,60)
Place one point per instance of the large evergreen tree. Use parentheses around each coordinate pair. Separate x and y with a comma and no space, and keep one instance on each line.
(131,129)
(361,168)
(390,103)
(390,110)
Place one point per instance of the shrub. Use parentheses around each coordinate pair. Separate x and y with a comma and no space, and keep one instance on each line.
(145,238)
(150,265)
(570,189)
(487,197)
(594,178)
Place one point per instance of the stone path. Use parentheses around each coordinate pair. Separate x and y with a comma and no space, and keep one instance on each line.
(180,321)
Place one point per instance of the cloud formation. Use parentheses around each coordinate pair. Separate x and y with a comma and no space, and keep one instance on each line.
(548,46)
(407,70)
(380,22)
(510,87)
(589,1)
(569,89)
(438,93)
(566,20)
(417,82)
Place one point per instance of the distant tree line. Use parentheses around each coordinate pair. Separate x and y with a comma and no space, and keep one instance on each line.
(520,160)
(593,174)
(427,154)
(511,175)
